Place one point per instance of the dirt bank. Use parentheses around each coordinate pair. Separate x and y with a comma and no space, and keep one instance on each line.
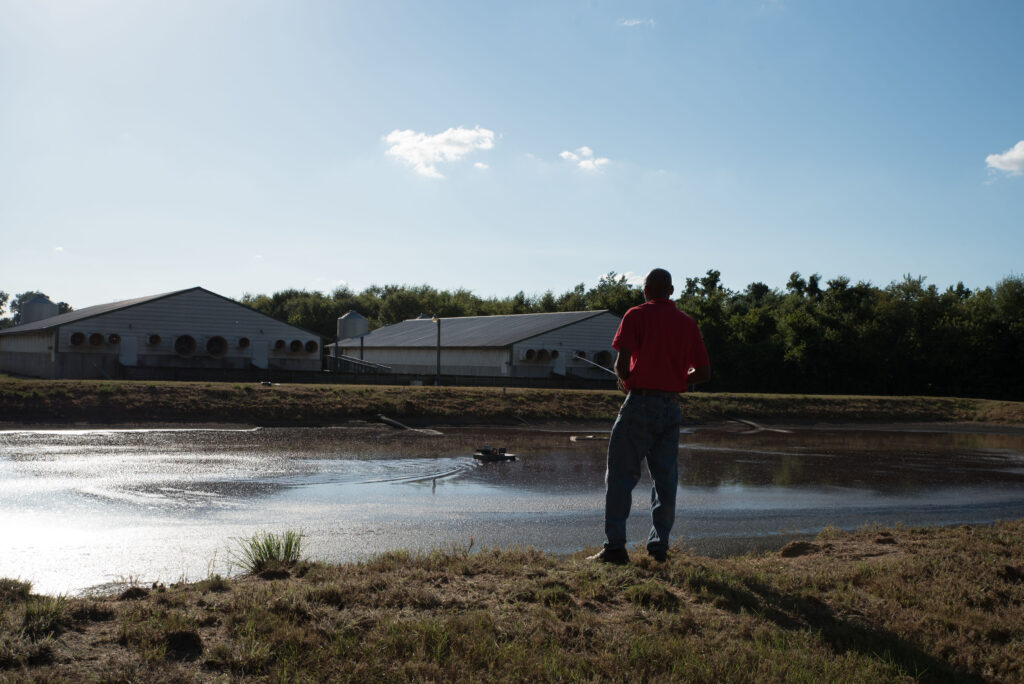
(100,402)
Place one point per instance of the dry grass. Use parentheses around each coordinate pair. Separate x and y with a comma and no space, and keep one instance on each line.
(876,605)
(124,402)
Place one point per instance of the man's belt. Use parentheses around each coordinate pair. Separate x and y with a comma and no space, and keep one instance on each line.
(654,393)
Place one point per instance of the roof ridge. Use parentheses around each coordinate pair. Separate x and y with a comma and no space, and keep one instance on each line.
(496,330)
(530,313)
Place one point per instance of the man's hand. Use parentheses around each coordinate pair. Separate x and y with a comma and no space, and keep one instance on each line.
(698,375)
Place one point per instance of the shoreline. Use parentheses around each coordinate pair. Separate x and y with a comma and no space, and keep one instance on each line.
(71,403)
(600,427)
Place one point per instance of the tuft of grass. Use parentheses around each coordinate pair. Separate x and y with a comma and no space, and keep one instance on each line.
(652,594)
(13,591)
(268,551)
(214,583)
(18,650)
(157,632)
(44,616)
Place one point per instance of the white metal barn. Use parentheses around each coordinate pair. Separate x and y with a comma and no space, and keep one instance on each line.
(187,329)
(520,345)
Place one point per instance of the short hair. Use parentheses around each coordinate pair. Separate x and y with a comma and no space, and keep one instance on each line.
(658,282)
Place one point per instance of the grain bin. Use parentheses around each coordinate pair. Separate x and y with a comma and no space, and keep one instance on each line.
(352,324)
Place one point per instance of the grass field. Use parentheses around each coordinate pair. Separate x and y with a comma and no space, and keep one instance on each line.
(877,605)
(128,402)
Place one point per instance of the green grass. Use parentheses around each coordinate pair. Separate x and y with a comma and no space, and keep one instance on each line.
(28,624)
(43,616)
(268,551)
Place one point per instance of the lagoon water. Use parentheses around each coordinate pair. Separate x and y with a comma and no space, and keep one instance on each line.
(84,509)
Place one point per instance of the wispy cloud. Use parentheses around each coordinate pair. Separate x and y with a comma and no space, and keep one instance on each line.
(1011,161)
(630,23)
(424,152)
(481,166)
(58,248)
(584,158)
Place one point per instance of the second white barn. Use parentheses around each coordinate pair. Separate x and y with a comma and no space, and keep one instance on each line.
(518,345)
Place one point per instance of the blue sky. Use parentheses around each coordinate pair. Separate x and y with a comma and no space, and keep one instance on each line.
(256,146)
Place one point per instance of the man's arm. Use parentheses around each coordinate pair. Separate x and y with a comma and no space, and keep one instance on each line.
(622,366)
(699,375)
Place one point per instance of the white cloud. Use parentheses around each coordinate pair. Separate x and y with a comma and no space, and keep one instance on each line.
(1011,161)
(481,166)
(593,164)
(634,278)
(58,249)
(584,158)
(630,23)
(423,152)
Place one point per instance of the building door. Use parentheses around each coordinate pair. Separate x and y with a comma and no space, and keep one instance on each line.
(129,351)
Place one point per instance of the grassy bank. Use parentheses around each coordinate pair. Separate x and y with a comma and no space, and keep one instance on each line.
(119,402)
(875,605)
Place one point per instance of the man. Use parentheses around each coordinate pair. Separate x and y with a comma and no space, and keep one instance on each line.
(660,352)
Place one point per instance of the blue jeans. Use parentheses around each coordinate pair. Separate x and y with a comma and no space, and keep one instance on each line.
(647,428)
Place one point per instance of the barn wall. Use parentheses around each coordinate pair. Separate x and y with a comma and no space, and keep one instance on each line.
(485,362)
(31,343)
(196,313)
(591,336)
(28,354)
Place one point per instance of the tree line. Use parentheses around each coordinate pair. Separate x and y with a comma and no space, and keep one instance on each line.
(836,337)
(389,304)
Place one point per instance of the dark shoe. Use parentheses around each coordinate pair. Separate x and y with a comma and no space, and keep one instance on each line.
(614,556)
(659,555)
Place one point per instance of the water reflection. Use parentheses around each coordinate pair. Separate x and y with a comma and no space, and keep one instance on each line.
(880,460)
(82,507)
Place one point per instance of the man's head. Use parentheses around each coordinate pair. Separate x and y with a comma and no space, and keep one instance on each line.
(658,283)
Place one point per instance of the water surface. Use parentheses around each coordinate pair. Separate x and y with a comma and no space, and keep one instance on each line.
(82,508)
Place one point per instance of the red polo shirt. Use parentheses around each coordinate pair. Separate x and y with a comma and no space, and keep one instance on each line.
(664,344)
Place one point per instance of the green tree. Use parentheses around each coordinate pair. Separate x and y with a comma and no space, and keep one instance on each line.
(614,294)
(706,299)
(905,338)
(548,303)
(5,322)
(573,300)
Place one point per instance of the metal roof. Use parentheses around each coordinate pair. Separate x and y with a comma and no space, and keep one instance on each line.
(99,309)
(87,312)
(471,331)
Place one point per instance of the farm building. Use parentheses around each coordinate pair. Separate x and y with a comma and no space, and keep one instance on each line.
(154,337)
(543,345)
